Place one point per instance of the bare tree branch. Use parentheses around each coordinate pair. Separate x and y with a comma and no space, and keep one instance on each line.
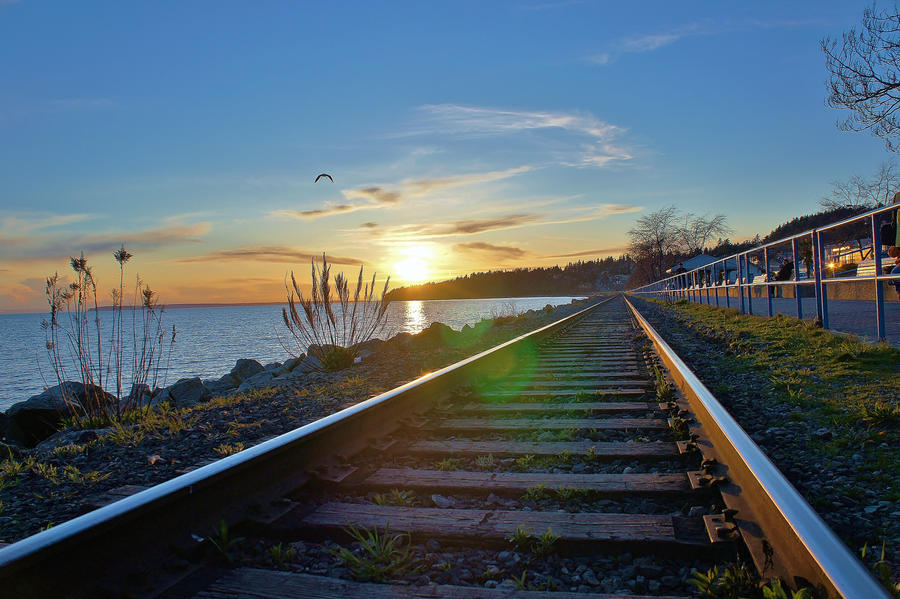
(859,192)
(864,75)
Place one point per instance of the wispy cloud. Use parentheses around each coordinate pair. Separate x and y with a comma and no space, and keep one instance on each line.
(581,138)
(598,252)
(388,195)
(479,121)
(368,225)
(376,195)
(320,212)
(39,245)
(431,230)
(654,41)
(458,227)
(269,253)
(648,43)
(498,252)
(27,223)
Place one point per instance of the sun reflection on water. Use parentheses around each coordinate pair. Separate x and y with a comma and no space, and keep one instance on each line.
(415,317)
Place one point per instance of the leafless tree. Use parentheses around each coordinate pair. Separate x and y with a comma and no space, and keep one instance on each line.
(864,76)
(859,192)
(695,232)
(659,238)
(653,237)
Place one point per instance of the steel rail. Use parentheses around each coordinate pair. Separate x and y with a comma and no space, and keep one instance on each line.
(76,551)
(792,527)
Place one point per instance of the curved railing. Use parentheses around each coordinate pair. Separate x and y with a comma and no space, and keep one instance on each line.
(735,280)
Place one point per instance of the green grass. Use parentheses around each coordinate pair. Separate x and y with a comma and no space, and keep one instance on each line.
(380,555)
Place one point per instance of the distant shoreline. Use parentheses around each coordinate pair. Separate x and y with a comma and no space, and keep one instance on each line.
(281,303)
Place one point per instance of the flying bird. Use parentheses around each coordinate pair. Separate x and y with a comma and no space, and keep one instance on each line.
(324,175)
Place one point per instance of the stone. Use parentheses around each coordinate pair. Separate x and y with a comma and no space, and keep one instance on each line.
(140,395)
(590,578)
(272,367)
(436,334)
(244,369)
(33,420)
(367,349)
(259,380)
(222,386)
(443,502)
(71,437)
(628,470)
(289,365)
(696,511)
(309,364)
(183,394)
(433,545)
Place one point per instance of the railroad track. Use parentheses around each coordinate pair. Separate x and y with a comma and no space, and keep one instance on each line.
(578,459)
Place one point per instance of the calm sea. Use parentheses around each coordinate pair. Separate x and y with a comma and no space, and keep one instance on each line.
(210,340)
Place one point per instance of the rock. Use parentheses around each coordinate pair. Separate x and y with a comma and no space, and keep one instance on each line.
(289,365)
(222,386)
(244,369)
(140,395)
(823,433)
(432,545)
(184,393)
(272,367)
(71,437)
(579,468)
(259,380)
(436,334)
(33,420)
(443,502)
(590,578)
(628,470)
(368,348)
(308,364)
(696,511)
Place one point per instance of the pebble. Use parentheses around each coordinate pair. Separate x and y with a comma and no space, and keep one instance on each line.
(433,545)
(628,470)
(697,510)
(443,502)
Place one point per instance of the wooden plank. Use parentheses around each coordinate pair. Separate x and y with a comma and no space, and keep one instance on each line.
(573,373)
(518,482)
(420,522)
(499,424)
(583,406)
(253,583)
(544,448)
(588,383)
(563,393)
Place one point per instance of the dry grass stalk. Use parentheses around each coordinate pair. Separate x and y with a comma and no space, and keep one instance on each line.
(329,323)
(74,342)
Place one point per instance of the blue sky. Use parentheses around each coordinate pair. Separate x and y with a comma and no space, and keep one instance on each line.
(461,136)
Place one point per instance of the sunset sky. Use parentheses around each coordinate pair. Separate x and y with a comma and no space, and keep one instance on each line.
(461,136)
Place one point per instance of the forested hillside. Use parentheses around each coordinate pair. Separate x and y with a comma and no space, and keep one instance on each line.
(575,278)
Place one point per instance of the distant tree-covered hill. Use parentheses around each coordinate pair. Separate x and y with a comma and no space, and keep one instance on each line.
(575,278)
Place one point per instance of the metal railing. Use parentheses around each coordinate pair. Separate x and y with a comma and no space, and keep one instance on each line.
(733,281)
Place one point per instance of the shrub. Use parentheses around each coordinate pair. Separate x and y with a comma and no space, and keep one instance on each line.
(329,323)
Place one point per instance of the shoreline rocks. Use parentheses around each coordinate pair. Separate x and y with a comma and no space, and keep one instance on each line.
(36,420)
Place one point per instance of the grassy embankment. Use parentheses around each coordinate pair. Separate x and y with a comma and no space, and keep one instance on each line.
(824,406)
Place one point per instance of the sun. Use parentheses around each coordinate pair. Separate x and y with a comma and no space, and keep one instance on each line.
(413,268)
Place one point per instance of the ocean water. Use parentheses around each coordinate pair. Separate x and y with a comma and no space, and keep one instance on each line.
(210,340)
